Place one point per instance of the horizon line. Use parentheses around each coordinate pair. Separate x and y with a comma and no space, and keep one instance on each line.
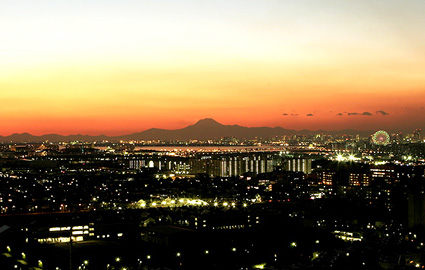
(203,119)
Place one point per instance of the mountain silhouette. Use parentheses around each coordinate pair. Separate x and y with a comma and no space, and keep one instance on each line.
(204,129)
(209,129)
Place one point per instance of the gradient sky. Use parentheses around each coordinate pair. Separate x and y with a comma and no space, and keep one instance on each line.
(116,67)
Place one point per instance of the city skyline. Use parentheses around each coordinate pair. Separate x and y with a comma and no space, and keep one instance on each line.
(114,67)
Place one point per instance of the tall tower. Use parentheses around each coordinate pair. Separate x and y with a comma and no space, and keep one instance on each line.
(417,134)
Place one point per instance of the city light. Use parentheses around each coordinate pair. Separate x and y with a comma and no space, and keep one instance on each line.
(190,196)
(259,266)
(340,158)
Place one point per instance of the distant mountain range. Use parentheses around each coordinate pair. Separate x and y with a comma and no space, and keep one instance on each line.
(203,130)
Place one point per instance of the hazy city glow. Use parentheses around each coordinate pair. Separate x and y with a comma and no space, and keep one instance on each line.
(113,67)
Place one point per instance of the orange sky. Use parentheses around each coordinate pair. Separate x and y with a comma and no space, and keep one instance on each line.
(113,68)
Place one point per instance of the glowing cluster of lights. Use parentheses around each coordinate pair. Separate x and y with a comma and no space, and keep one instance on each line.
(341,158)
(61,239)
(381,137)
(181,202)
(347,236)
(172,203)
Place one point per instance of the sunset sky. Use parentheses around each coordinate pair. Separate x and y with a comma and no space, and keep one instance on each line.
(118,67)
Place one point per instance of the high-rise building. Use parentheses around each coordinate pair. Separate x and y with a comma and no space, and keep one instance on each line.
(383,172)
(326,177)
(358,179)
(416,210)
(298,165)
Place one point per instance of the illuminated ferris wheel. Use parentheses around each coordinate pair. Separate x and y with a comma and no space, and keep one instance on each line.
(381,137)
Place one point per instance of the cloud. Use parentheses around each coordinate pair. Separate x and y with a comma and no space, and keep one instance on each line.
(339,114)
(356,113)
(310,114)
(292,114)
(382,113)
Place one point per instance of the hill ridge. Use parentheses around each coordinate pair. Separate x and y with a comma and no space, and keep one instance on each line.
(203,129)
